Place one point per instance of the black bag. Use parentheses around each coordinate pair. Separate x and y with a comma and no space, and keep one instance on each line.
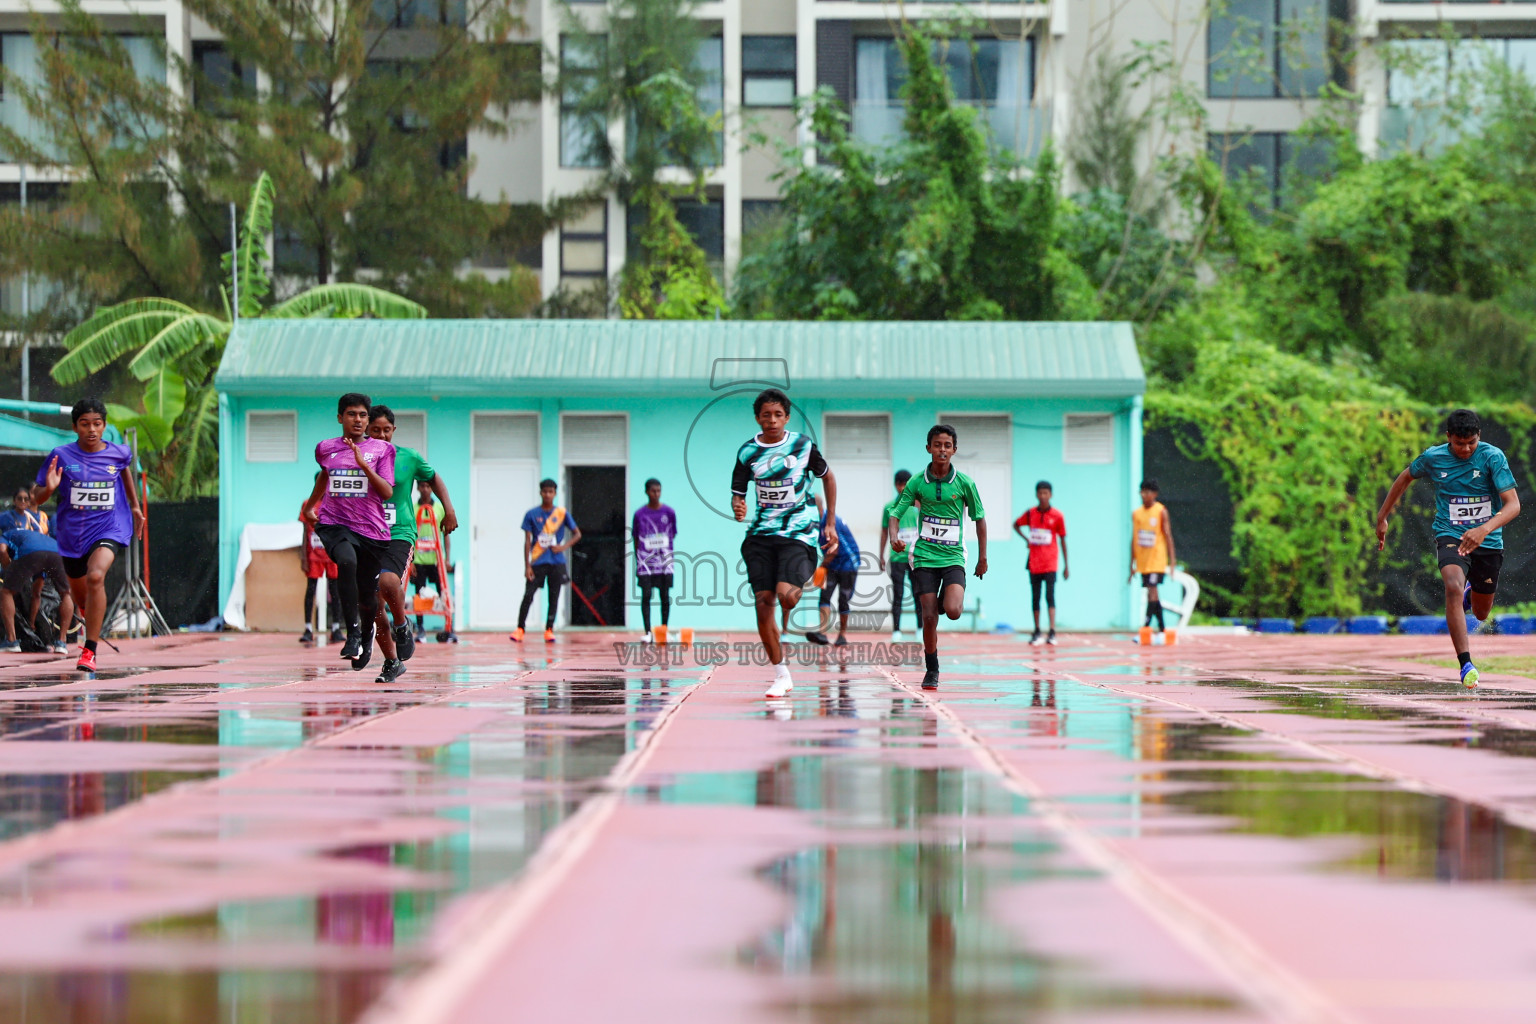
(40,640)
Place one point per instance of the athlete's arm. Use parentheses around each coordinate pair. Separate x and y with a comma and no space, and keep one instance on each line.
(383,488)
(139,522)
(43,491)
(981,547)
(1168,535)
(307,510)
(1394,495)
(527,549)
(829,522)
(575,536)
(450,517)
(1066,573)
(1473,538)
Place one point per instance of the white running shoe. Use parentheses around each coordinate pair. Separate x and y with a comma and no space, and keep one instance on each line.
(782,683)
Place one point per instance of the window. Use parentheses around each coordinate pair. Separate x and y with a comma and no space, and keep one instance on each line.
(584,249)
(704,222)
(985,454)
(1265,49)
(504,437)
(995,75)
(219,77)
(419,13)
(594,440)
(767,71)
(581,132)
(1276,162)
(271,436)
(411,430)
(1088,439)
(1425,72)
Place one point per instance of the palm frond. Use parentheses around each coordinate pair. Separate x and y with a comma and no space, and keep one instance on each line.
(198,434)
(177,339)
(113,332)
(348,300)
(165,395)
(249,273)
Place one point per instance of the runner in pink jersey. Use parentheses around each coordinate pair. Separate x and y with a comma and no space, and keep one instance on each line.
(346,511)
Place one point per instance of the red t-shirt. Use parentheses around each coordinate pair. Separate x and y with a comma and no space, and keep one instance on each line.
(1042,529)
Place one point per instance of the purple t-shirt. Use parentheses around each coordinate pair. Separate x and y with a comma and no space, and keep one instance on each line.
(348,499)
(655,530)
(93,503)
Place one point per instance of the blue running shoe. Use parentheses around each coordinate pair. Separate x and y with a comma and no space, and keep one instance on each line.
(1466,599)
(1469,676)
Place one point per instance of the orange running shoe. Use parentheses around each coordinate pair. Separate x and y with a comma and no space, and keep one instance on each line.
(517,635)
(549,636)
(87,662)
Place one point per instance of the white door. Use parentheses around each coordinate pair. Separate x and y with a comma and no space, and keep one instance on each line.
(504,483)
(986,455)
(858,449)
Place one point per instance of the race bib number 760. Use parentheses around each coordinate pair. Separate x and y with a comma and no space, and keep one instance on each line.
(97,494)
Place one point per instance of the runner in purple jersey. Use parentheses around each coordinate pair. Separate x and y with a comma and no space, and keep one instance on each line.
(655,531)
(97,515)
(346,511)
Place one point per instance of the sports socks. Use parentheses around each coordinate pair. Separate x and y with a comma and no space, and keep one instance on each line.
(1155,611)
(931,660)
(1464,657)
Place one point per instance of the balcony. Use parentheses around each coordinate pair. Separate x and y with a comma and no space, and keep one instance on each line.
(1021,130)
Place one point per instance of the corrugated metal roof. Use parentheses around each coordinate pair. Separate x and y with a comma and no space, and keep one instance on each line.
(19,435)
(609,357)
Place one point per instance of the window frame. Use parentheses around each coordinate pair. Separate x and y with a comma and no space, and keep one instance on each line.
(750,74)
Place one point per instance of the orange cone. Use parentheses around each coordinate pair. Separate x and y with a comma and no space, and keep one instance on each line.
(1146,636)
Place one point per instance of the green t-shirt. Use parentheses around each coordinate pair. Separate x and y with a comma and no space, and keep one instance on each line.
(941,534)
(429,557)
(400,509)
(906,528)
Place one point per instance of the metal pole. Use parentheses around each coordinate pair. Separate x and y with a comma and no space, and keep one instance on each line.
(26,310)
(234,262)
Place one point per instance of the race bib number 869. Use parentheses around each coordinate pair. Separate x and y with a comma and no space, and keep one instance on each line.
(347,483)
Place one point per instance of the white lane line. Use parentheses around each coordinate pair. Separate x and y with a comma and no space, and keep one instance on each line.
(470,952)
(1272,988)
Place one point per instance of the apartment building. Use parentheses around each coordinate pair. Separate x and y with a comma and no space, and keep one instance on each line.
(1257,66)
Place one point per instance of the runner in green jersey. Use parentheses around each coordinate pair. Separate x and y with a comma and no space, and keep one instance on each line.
(780,549)
(400,517)
(938,556)
(906,530)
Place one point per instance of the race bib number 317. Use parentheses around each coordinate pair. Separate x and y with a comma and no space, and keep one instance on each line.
(1469,511)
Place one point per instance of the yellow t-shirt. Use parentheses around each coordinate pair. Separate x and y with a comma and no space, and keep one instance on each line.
(1148,539)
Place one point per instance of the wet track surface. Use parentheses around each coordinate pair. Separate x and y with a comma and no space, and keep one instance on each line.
(1234,829)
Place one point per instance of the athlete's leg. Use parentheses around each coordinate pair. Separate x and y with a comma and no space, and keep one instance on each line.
(1050,602)
(665,590)
(369,571)
(1482,606)
(95,586)
(393,593)
(8,613)
(844,602)
(552,597)
(344,553)
(1035,582)
(37,602)
(954,601)
(1455,618)
(928,614)
(766,602)
(1154,606)
(381,632)
(309,601)
(645,605)
(788,597)
(898,593)
(529,590)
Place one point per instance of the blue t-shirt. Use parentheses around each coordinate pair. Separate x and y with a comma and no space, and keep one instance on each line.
(24,542)
(543,542)
(16,519)
(1466,490)
(847,557)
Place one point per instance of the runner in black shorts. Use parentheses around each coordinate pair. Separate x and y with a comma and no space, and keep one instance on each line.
(779,550)
(29,555)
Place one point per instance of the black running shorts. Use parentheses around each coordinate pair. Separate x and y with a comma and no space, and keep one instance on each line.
(927,580)
(1481,566)
(397,559)
(774,560)
(77,566)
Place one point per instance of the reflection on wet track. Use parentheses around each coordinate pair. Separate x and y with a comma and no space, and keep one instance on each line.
(243,832)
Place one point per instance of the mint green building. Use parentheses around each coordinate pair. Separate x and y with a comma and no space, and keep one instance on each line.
(601,406)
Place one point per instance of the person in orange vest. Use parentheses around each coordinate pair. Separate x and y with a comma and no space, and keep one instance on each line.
(1151,548)
(429,512)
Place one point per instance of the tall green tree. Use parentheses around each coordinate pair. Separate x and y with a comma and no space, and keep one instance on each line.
(933,228)
(358,110)
(637,64)
(175,349)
